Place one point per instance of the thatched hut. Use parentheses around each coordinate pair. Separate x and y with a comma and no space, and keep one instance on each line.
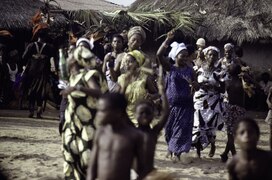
(243,22)
(17,14)
(102,5)
(16,17)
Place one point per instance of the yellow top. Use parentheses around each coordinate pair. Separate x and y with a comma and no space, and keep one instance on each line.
(135,92)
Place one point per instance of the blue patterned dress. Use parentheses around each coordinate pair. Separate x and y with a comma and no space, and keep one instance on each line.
(178,129)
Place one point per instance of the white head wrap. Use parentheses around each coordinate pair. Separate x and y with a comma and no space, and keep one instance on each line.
(86,41)
(201,42)
(206,50)
(229,45)
(176,48)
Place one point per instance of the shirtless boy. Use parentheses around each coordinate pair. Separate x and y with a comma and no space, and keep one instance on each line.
(116,143)
(234,108)
(144,115)
(251,163)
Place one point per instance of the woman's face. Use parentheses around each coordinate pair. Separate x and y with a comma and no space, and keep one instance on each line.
(135,42)
(131,63)
(182,57)
(212,57)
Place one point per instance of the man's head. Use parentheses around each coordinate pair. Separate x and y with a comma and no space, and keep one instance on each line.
(117,42)
(228,50)
(111,108)
(144,112)
(247,134)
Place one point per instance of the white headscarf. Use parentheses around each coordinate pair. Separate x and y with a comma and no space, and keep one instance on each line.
(229,45)
(86,41)
(176,48)
(206,50)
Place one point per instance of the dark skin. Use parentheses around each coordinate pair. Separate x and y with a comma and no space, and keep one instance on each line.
(211,57)
(134,43)
(144,115)
(181,58)
(133,72)
(251,163)
(235,92)
(117,45)
(228,51)
(115,146)
(181,61)
(234,87)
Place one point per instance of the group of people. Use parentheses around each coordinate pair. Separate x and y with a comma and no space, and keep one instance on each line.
(115,105)
(111,104)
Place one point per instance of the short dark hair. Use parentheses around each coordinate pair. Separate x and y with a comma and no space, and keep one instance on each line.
(239,51)
(116,100)
(250,122)
(235,69)
(191,49)
(265,76)
(118,36)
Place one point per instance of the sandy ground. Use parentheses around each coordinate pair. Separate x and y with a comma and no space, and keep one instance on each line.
(31,149)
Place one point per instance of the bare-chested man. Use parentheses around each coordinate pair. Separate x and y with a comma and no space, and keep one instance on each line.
(116,143)
(251,163)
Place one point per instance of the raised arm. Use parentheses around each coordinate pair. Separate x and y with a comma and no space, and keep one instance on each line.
(165,105)
(106,59)
(115,72)
(268,100)
(162,50)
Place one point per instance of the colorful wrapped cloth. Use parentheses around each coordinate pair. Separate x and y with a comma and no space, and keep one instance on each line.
(209,107)
(79,128)
(178,129)
(137,30)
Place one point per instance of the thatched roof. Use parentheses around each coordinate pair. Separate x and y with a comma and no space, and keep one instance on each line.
(235,20)
(156,23)
(17,14)
(101,5)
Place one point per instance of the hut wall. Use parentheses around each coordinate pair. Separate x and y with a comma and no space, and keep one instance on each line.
(258,56)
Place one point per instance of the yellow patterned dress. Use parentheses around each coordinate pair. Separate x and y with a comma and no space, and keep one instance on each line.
(79,129)
(135,92)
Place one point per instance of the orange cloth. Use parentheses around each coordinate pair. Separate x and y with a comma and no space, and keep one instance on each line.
(37,28)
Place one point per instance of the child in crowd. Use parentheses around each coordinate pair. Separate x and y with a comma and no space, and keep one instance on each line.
(250,162)
(11,71)
(144,115)
(109,60)
(116,142)
(234,108)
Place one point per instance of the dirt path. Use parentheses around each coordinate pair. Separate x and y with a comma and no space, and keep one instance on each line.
(31,149)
